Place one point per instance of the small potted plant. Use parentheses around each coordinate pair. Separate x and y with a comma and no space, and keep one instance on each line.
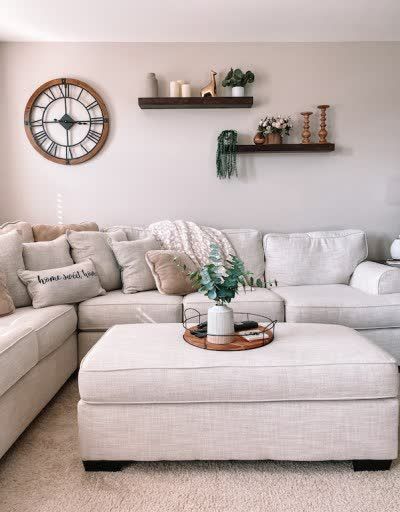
(220,280)
(274,127)
(238,80)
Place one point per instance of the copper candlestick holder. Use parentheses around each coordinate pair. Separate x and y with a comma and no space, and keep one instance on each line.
(323,133)
(306,134)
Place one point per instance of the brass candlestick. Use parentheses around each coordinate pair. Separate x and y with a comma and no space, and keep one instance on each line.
(306,134)
(322,134)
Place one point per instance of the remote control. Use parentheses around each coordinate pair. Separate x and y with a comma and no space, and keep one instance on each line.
(244,326)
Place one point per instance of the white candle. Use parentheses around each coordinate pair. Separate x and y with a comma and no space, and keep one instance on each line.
(174,89)
(186,90)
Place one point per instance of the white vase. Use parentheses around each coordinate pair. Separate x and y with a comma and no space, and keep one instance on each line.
(237,91)
(220,325)
(395,249)
(151,86)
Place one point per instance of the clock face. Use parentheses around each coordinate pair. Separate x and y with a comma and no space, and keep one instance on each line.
(66,121)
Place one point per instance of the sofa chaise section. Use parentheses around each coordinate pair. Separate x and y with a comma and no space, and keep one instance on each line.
(38,352)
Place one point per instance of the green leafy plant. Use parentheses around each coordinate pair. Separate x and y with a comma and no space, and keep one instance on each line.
(221,279)
(226,154)
(236,78)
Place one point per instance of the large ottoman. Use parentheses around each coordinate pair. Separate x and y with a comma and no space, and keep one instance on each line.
(318,392)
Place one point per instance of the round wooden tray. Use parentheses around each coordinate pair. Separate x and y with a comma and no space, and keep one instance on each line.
(238,342)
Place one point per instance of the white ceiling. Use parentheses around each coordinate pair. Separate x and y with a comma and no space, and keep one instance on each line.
(200,20)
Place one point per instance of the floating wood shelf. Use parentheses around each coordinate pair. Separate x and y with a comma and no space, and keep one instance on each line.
(285,148)
(197,102)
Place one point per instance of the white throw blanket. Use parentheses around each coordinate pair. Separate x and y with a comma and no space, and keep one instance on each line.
(188,237)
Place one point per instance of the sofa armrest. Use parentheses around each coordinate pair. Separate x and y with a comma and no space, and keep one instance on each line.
(376,279)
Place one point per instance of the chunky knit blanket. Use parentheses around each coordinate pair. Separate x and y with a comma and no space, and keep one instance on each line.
(188,237)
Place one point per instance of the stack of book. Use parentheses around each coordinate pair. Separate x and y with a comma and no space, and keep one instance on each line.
(393,263)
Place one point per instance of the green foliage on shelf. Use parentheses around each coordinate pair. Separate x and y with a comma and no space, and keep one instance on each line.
(226,154)
(236,78)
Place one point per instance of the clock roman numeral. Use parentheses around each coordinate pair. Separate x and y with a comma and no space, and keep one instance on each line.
(52,149)
(64,93)
(94,136)
(68,153)
(51,95)
(98,120)
(84,149)
(36,122)
(40,137)
(92,105)
(79,95)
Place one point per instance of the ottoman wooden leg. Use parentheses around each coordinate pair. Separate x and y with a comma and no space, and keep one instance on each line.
(371,465)
(104,465)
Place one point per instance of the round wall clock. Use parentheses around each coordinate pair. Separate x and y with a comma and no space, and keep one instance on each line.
(66,121)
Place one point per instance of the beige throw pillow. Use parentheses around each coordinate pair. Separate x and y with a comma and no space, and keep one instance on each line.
(6,303)
(48,232)
(136,275)
(168,272)
(10,261)
(94,245)
(23,227)
(66,285)
(44,255)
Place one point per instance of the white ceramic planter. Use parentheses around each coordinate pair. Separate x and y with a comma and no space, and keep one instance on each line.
(220,324)
(395,249)
(237,91)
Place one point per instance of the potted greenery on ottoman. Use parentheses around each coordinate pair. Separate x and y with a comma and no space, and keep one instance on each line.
(219,280)
(238,80)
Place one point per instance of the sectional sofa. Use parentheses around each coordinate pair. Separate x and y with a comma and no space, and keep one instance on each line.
(323,277)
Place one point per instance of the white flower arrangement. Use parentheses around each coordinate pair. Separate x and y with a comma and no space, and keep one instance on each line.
(275,124)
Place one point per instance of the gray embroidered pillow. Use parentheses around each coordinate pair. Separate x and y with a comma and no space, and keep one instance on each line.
(94,245)
(131,256)
(44,255)
(66,285)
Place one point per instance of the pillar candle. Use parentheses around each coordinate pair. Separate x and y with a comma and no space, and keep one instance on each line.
(174,89)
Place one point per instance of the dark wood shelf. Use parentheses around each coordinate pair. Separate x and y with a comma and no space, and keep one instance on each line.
(285,148)
(196,102)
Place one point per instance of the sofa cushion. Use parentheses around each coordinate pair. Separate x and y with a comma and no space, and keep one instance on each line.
(321,257)
(101,313)
(340,304)
(94,245)
(131,257)
(18,354)
(131,232)
(44,255)
(151,364)
(24,229)
(52,325)
(258,301)
(67,285)
(248,246)
(10,262)
(47,232)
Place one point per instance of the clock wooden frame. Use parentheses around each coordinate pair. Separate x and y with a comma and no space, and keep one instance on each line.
(58,82)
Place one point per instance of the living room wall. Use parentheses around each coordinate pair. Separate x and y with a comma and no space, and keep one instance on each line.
(161,164)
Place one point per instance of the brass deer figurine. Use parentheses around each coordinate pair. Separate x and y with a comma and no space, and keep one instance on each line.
(211,88)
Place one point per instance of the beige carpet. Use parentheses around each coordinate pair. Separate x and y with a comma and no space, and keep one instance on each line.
(43,473)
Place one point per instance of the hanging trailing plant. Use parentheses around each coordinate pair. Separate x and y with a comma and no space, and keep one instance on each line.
(226,154)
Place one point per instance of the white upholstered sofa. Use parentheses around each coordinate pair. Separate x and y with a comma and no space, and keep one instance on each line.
(322,277)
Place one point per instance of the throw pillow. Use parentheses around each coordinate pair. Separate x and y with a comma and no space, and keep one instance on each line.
(168,272)
(66,285)
(6,303)
(23,227)
(44,255)
(136,275)
(48,232)
(94,245)
(10,261)
(131,232)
